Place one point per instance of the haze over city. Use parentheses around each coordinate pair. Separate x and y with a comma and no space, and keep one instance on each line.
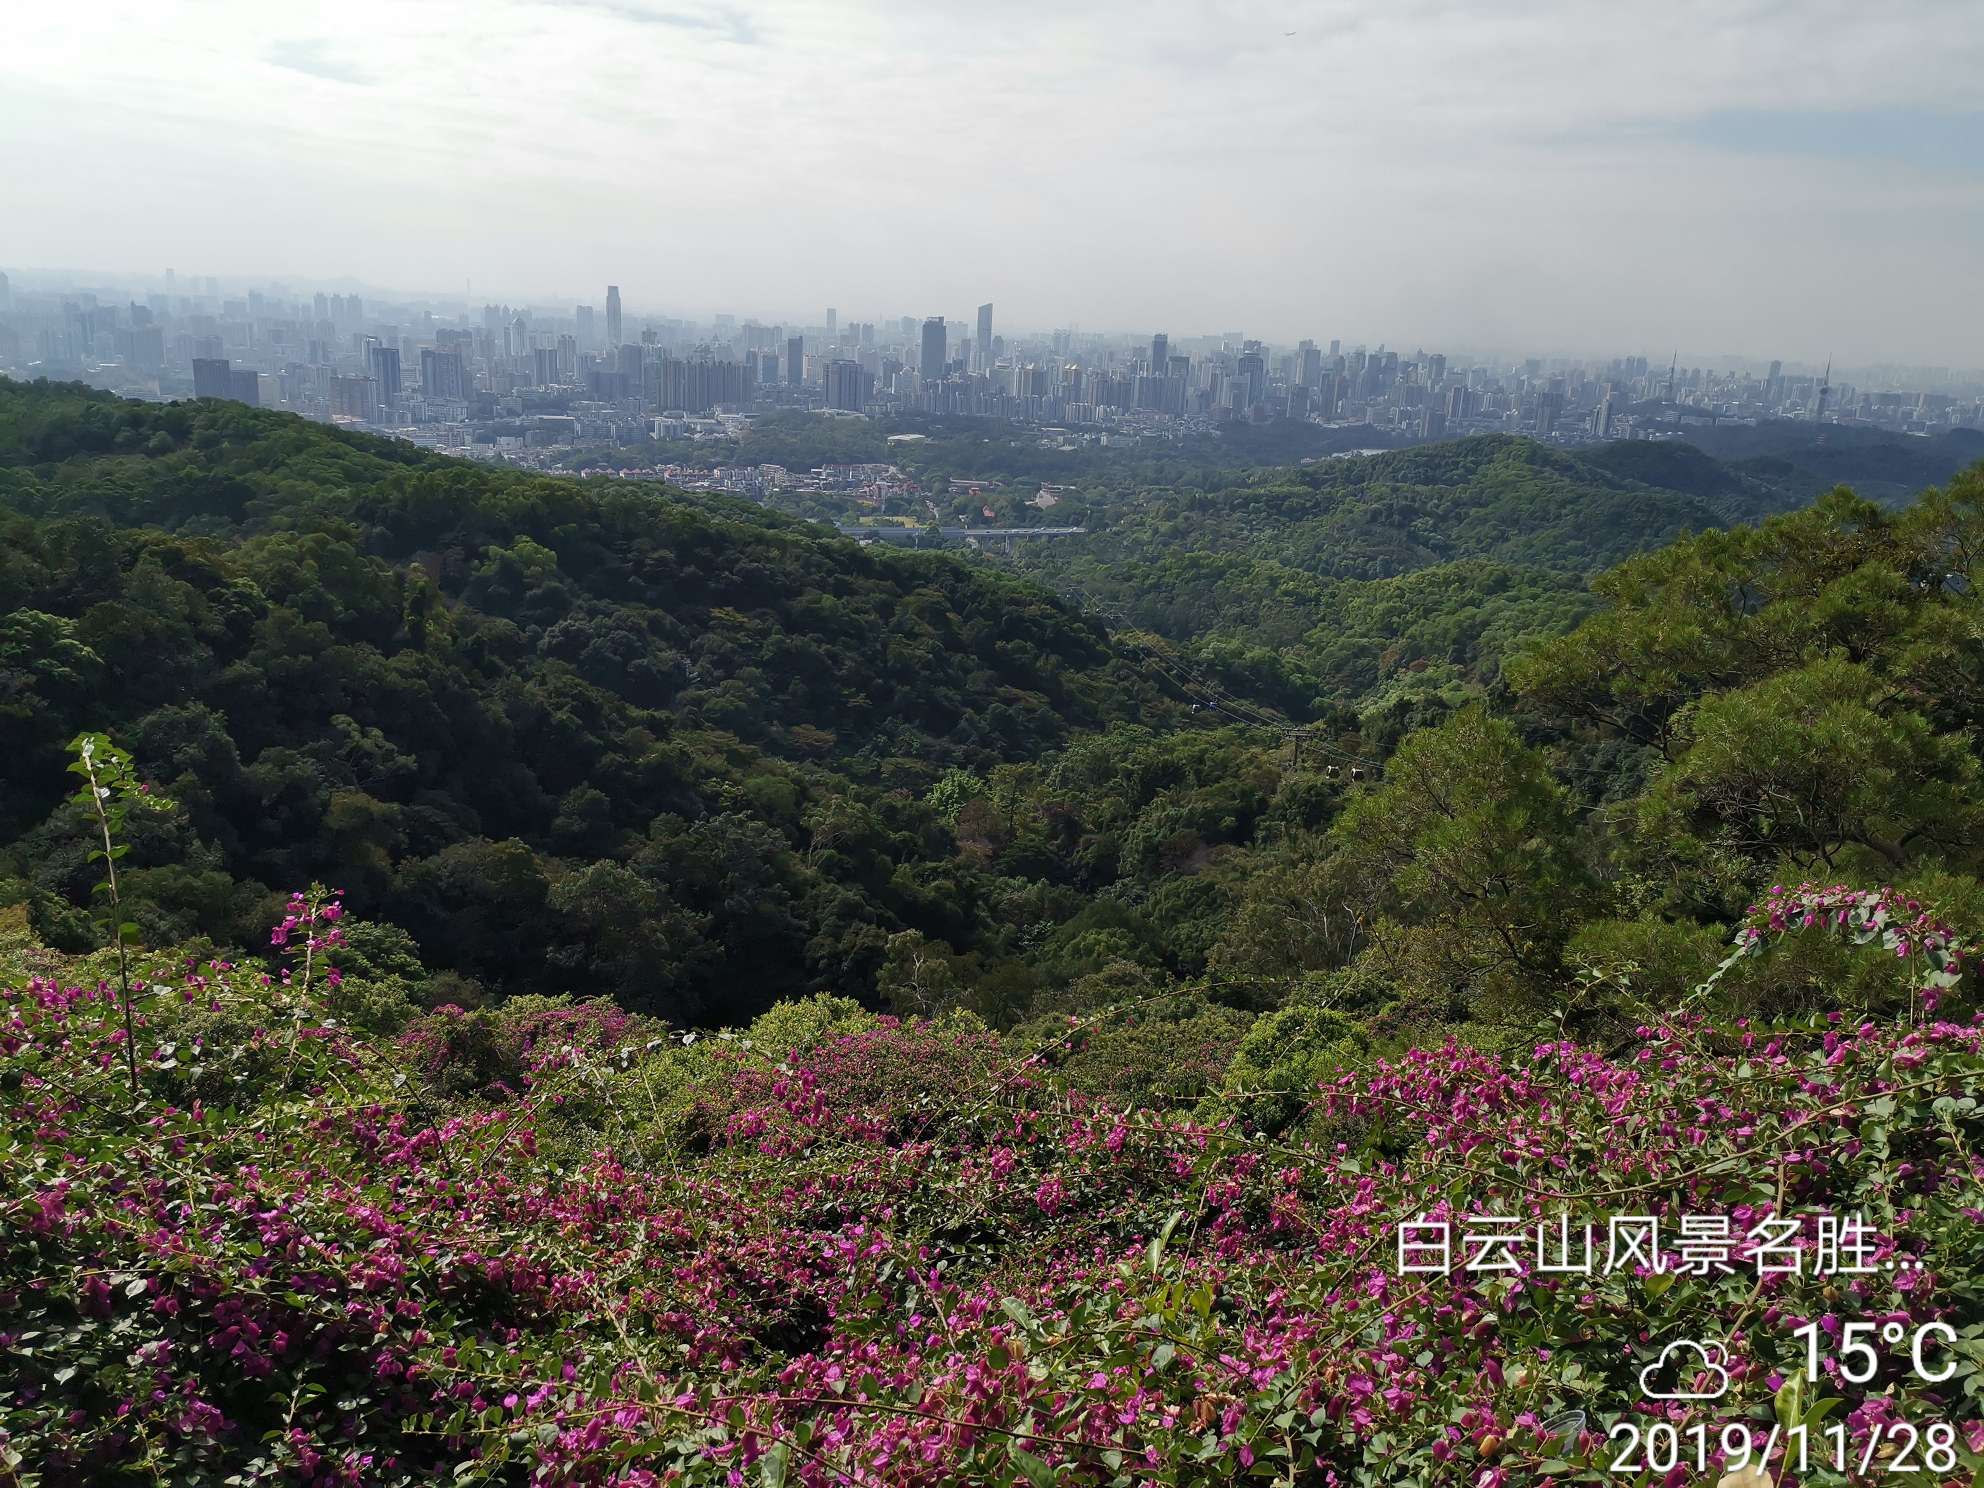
(1753,179)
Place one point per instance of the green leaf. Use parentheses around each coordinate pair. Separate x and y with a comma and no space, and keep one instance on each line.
(1037,1472)
(1015,1309)
(1154,1253)
(772,1466)
(1790,1401)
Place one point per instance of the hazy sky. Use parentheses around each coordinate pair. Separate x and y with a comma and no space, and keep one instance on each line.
(1776,179)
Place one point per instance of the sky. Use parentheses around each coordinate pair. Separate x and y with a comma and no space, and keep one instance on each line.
(1743,177)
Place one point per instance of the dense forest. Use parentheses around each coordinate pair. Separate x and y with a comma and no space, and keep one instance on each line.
(746,1008)
(1379,580)
(702,757)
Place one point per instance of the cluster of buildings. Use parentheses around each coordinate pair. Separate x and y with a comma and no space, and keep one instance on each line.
(871,485)
(523,383)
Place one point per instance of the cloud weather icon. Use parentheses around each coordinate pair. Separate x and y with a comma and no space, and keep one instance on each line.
(1712,1363)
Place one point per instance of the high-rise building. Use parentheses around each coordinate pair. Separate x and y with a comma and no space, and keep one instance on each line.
(544,366)
(6,295)
(833,322)
(613,315)
(210,377)
(795,360)
(244,385)
(699,383)
(582,319)
(1312,366)
(441,374)
(847,385)
(982,344)
(1251,371)
(932,364)
(1160,355)
(355,397)
(384,364)
(148,348)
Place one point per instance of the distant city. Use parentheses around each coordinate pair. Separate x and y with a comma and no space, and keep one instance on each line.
(532,384)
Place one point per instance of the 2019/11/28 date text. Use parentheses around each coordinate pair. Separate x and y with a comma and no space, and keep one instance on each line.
(1888,1447)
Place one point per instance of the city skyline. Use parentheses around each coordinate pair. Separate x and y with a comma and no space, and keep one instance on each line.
(596,301)
(1801,183)
(543,385)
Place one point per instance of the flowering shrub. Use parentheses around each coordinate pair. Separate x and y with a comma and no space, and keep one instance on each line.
(495,1052)
(910,1254)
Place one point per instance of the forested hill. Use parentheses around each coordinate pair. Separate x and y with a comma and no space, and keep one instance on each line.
(695,758)
(298,570)
(347,658)
(1493,496)
(1804,459)
(1382,580)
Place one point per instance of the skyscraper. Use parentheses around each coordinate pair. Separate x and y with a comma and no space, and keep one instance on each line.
(210,377)
(244,385)
(847,385)
(441,374)
(6,295)
(982,347)
(795,360)
(613,315)
(1250,369)
(833,322)
(582,320)
(932,363)
(384,365)
(1160,355)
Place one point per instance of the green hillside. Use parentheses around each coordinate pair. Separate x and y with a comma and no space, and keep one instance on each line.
(698,758)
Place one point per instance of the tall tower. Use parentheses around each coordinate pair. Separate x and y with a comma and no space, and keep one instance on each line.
(932,366)
(384,365)
(1819,413)
(613,316)
(982,349)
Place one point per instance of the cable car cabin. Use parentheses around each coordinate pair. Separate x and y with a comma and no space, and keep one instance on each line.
(1356,772)
(1333,772)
